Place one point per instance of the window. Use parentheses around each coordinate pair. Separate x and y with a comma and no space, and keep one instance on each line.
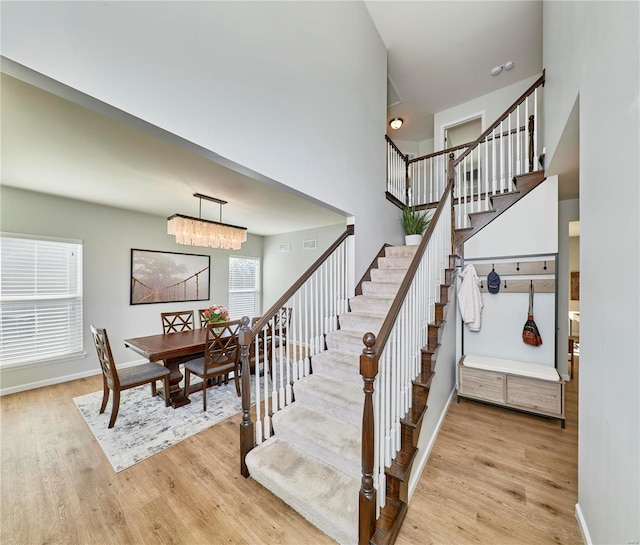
(244,287)
(41,299)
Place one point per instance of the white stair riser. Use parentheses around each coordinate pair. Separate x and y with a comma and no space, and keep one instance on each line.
(380,288)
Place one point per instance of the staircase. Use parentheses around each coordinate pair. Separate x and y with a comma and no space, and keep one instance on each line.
(500,202)
(313,461)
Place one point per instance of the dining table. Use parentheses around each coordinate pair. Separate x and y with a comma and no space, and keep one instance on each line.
(172,349)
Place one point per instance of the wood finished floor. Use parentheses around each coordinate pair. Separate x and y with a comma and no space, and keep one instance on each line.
(494,477)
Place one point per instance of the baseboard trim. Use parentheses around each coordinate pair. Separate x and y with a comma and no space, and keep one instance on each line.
(583,526)
(60,380)
(416,471)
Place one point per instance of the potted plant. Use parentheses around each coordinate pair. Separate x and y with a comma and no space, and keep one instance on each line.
(414,223)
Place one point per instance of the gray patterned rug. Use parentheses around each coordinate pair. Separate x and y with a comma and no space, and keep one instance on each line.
(145,426)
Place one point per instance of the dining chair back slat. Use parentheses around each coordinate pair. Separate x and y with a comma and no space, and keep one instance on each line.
(182,320)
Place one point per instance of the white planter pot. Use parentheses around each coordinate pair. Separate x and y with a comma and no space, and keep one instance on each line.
(412,240)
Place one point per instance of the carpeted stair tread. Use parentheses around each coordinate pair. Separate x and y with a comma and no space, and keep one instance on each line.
(362,321)
(338,365)
(333,441)
(345,340)
(341,400)
(380,288)
(394,262)
(371,303)
(322,494)
(388,275)
(400,251)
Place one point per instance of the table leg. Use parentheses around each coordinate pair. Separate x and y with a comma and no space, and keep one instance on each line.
(176,392)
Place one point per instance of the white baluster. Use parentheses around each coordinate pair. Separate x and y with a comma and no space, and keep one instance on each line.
(257,395)
(535,129)
(510,165)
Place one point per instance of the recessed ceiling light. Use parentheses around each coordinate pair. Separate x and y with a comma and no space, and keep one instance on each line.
(396,123)
(506,66)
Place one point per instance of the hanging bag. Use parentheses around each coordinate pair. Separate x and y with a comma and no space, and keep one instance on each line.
(530,333)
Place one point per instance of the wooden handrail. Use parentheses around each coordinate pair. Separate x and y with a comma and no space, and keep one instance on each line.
(275,308)
(395,147)
(441,152)
(485,134)
(389,321)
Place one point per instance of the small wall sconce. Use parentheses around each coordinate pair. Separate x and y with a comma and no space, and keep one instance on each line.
(396,123)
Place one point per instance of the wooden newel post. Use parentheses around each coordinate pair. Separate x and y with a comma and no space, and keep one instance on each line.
(531,146)
(246,426)
(368,498)
(407,182)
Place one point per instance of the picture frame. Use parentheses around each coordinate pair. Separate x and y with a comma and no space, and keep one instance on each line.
(168,277)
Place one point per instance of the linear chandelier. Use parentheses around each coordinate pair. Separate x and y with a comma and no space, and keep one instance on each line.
(199,232)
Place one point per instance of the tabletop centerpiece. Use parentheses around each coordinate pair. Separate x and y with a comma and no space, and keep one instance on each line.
(216,314)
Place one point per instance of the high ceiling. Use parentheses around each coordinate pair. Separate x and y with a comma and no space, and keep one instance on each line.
(439,55)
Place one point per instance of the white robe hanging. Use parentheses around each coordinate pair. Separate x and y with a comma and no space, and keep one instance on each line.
(470,298)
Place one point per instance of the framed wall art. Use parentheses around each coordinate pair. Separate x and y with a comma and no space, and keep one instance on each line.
(575,286)
(168,277)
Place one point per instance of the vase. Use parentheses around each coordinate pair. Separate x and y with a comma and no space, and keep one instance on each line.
(412,240)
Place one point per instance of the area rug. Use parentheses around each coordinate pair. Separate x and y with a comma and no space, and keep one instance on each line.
(145,426)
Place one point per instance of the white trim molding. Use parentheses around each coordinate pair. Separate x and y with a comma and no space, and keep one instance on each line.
(583,526)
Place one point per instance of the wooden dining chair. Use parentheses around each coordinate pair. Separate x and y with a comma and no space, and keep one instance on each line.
(182,320)
(123,379)
(221,357)
(201,312)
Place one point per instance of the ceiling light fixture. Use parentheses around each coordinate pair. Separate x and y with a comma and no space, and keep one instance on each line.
(199,232)
(498,69)
(396,123)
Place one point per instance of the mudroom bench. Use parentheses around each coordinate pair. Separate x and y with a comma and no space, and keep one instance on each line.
(528,387)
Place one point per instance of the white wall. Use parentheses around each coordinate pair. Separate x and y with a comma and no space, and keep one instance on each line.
(528,228)
(295,91)
(108,235)
(490,106)
(282,269)
(591,49)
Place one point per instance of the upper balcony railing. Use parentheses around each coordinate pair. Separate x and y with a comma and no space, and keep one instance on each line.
(484,167)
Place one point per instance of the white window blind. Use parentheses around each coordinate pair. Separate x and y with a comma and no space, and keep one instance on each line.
(40,298)
(244,287)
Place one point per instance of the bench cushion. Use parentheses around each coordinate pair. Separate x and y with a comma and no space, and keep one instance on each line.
(533,370)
